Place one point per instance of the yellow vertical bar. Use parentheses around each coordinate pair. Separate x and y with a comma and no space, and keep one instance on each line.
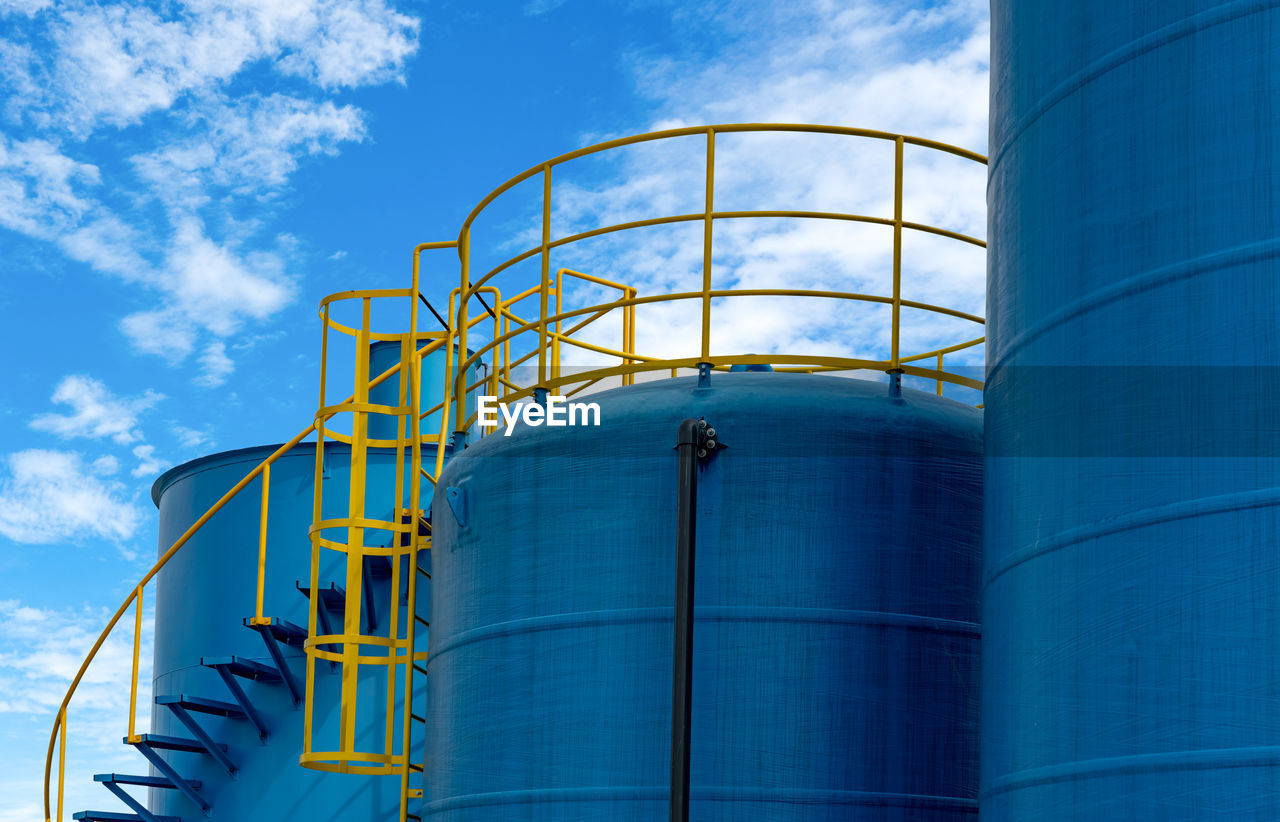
(706,244)
(411,631)
(62,756)
(939,380)
(262,540)
(317,513)
(894,362)
(133,684)
(631,336)
(355,541)
(449,385)
(460,385)
(408,349)
(555,344)
(506,354)
(546,275)
(495,356)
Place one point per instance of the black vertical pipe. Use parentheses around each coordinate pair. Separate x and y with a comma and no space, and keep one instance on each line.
(687,444)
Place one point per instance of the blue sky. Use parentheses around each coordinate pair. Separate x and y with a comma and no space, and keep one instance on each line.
(181,182)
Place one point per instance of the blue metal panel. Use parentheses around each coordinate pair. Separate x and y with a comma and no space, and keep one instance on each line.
(1132,593)
(836,631)
(202,597)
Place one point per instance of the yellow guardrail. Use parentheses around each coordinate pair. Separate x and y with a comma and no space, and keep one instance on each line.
(551,338)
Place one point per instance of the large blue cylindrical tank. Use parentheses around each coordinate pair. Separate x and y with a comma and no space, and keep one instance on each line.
(1132,582)
(836,632)
(202,598)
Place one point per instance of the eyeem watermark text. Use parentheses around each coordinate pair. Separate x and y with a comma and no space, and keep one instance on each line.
(558,413)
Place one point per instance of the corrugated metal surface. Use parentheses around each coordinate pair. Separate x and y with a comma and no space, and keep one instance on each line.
(836,636)
(1132,582)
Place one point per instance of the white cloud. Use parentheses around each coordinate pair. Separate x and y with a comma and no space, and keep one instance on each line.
(38,187)
(191,438)
(112,65)
(27,7)
(39,653)
(53,496)
(349,43)
(247,146)
(148,464)
(536,7)
(216,365)
(209,287)
(95,411)
(202,77)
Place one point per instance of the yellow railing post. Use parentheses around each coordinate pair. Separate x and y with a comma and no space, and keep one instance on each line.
(62,758)
(355,537)
(460,396)
(546,276)
(707,221)
(133,682)
(939,381)
(258,618)
(894,361)
(555,342)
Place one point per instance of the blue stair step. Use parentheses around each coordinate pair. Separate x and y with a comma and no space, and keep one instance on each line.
(112,816)
(200,704)
(284,631)
(378,567)
(147,781)
(275,633)
(149,745)
(170,743)
(243,668)
(332,595)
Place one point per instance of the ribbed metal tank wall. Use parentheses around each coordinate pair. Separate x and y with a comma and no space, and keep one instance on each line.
(1132,581)
(836,634)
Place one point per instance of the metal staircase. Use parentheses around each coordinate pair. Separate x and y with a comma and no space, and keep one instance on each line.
(283,642)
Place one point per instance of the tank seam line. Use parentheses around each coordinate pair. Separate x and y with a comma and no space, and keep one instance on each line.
(712,613)
(1142,518)
(1225,13)
(646,793)
(1213,261)
(1262,755)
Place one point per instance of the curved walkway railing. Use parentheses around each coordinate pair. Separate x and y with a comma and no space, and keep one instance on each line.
(547,325)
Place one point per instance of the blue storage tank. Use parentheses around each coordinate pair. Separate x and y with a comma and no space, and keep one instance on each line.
(1132,582)
(836,633)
